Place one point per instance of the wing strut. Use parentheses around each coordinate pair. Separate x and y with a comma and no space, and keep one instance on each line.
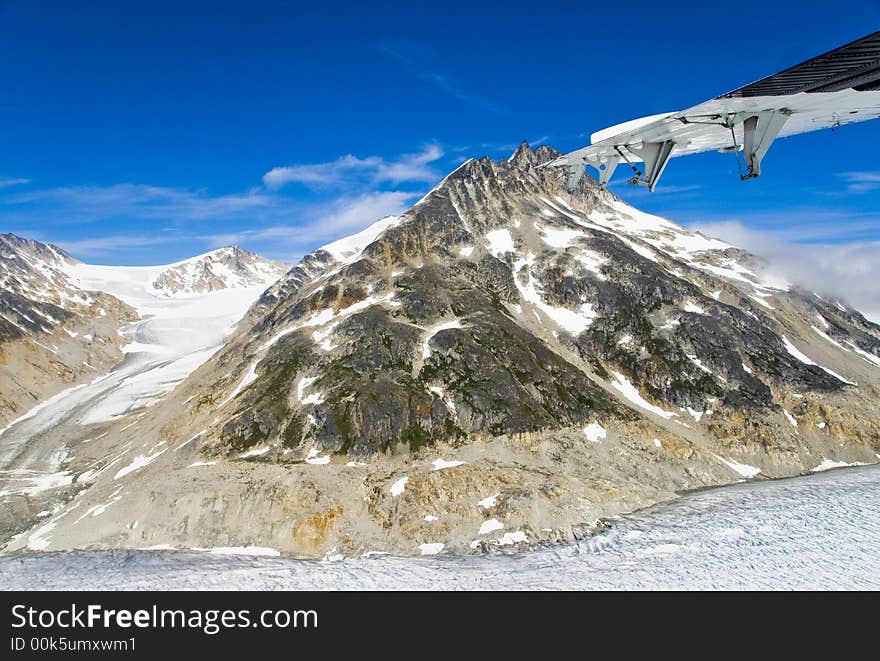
(759,132)
(605,167)
(656,156)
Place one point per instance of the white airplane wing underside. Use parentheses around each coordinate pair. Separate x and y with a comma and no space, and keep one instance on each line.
(831,90)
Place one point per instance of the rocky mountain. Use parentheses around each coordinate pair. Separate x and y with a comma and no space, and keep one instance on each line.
(504,363)
(500,304)
(52,332)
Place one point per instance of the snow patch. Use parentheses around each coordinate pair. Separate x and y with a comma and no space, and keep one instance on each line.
(744,470)
(314,398)
(690,306)
(594,432)
(431,548)
(398,487)
(827,464)
(446,325)
(793,350)
(628,390)
(256,452)
(500,242)
(510,538)
(313,458)
(244,550)
(440,464)
(137,463)
(489,502)
(490,526)
(573,322)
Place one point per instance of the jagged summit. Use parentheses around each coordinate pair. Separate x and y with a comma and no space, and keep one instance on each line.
(526,156)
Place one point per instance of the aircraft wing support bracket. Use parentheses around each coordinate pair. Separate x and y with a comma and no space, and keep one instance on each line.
(759,131)
(656,156)
(605,167)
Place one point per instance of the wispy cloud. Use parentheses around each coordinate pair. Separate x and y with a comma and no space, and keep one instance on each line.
(92,203)
(861,182)
(325,221)
(625,190)
(13,181)
(808,224)
(347,194)
(452,88)
(96,246)
(371,170)
(424,66)
(848,271)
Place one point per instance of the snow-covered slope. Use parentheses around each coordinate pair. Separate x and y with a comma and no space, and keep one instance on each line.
(185,311)
(53,333)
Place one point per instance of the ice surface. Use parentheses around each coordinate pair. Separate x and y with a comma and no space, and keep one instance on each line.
(774,534)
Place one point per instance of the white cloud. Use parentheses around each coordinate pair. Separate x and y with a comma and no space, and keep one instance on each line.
(16,181)
(348,169)
(861,182)
(422,62)
(328,222)
(91,203)
(108,244)
(849,271)
(623,189)
(140,215)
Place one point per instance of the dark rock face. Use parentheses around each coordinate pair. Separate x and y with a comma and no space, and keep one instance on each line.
(502,304)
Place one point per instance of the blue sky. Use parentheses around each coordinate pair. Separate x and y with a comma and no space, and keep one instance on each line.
(148,132)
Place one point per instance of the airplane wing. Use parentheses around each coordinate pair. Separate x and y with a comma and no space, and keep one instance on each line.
(828,91)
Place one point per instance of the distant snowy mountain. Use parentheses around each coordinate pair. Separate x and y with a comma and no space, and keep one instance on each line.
(226,268)
(61,319)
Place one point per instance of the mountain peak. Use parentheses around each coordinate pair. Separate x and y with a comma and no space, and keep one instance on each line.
(223,268)
(524,156)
